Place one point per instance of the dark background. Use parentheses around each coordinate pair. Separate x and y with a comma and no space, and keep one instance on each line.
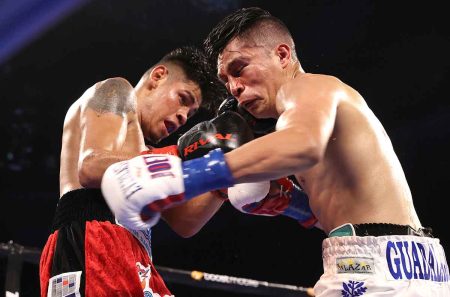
(395,53)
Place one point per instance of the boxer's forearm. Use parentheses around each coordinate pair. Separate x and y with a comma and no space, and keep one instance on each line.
(275,155)
(93,165)
(188,218)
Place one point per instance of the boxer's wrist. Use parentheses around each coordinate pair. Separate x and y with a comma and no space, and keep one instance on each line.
(221,194)
(210,172)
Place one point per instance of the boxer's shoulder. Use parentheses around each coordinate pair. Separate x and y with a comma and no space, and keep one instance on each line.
(307,82)
(115,95)
(114,83)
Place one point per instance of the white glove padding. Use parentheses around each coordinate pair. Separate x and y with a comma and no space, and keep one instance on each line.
(147,182)
(246,193)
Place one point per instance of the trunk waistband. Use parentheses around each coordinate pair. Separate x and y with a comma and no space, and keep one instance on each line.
(378,229)
(84,205)
(81,205)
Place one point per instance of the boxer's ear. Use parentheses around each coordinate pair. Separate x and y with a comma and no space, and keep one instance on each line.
(157,75)
(284,54)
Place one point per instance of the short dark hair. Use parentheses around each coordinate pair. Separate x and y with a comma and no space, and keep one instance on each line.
(238,24)
(194,63)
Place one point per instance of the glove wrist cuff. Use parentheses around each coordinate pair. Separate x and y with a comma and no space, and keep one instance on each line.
(207,173)
(299,208)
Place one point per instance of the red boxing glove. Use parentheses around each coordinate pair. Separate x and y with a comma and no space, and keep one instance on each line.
(276,201)
(284,198)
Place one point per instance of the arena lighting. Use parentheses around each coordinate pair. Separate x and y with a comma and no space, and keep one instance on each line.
(21,21)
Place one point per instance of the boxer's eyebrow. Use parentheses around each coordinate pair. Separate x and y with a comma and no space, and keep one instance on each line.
(195,101)
(228,68)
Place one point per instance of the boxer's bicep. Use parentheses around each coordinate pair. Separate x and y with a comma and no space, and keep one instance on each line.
(104,119)
(299,142)
(310,124)
(311,114)
(102,132)
(105,116)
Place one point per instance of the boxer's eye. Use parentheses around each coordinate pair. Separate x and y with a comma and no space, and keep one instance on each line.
(237,72)
(184,100)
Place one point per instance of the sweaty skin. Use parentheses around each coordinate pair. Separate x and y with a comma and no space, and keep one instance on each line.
(109,123)
(326,136)
(100,128)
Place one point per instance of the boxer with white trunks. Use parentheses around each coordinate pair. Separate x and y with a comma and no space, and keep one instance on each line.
(331,141)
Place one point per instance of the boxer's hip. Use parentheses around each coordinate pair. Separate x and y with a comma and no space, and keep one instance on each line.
(81,205)
(92,254)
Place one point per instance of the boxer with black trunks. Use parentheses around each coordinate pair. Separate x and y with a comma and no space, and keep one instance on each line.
(331,141)
(89,252)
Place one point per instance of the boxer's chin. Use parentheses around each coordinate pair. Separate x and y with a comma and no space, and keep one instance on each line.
(257,109)
(152,138)
(156,135)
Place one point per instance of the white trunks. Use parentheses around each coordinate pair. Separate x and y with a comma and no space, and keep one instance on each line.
(392,265)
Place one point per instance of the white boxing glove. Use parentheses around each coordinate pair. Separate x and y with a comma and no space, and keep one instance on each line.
(137,190)
(283,198)
(246,193)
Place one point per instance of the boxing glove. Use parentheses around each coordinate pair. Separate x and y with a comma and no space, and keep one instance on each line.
(137,190)
(259,127)
(283,198)
(166,150)
(227,131)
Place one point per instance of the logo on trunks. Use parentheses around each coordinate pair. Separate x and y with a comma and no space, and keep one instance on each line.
(355,265)
(353,288)
(201,142)
(416,260)
(144,274)
(126,182)
(64,285)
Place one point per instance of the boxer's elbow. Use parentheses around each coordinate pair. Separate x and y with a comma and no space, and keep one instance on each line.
(312,155)
(186,231)
(305,157)
(299,150)
(89,174)
(87,179)
(182,225)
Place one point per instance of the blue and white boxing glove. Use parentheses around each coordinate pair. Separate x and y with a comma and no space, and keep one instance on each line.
(137,190)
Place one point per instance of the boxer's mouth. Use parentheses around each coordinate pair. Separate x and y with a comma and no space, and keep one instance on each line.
(170,126)
(248,104)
